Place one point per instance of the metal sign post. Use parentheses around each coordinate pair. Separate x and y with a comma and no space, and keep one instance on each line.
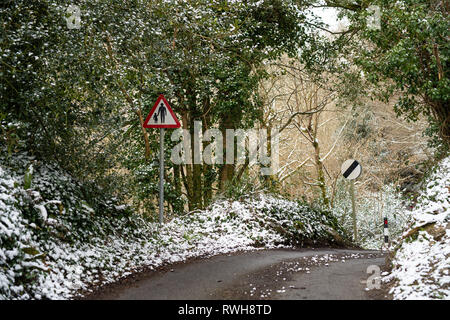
(352,194)
(161,116)
(351,170)
(161,175)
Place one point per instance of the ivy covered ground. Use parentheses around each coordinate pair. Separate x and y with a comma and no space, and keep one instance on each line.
(58,237)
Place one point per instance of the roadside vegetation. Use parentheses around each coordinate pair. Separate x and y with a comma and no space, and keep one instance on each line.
(58,239)
(421,258)
(79,173)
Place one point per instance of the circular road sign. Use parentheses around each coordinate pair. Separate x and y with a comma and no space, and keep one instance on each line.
(351,169)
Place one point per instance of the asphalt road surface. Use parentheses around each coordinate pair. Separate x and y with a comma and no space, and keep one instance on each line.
(265,274)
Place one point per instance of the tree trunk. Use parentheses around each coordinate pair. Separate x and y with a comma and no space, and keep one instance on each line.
(320,174)
(208,170)
(319,165)
(187,178)
(197,169)
(226,172)
(177,178)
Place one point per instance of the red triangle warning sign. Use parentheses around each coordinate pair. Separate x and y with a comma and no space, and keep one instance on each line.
(161,115)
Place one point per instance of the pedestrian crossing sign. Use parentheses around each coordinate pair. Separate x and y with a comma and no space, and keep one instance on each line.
(161,115)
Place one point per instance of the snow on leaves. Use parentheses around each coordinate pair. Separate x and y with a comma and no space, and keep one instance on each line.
(53,243)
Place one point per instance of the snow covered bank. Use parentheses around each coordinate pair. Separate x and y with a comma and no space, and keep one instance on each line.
(422,261)
(57,239)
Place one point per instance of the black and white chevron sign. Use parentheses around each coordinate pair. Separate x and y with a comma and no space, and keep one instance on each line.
(351,169)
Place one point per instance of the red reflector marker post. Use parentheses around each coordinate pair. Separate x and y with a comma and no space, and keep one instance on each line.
(386,232)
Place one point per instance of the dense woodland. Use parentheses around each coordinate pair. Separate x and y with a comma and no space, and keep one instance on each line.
(79,96)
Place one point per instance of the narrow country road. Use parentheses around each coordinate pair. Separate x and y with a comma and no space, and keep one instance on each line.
(265,274)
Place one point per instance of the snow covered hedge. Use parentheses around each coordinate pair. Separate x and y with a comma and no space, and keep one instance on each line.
(421,265)
(57,239)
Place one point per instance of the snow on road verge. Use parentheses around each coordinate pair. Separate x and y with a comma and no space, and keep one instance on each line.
(54,243)
(422,261)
